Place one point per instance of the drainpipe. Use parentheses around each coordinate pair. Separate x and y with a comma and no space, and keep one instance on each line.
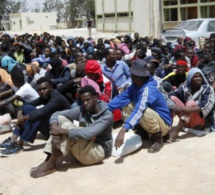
(151,17)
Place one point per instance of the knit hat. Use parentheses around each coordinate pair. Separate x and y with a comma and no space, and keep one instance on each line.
(93,66)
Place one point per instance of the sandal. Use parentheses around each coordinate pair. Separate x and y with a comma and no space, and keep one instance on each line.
(172,140)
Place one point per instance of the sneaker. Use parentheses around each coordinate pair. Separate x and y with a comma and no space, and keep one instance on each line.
(14,148)
(6,143)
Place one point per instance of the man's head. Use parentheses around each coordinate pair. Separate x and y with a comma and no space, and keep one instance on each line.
(79,58)
(44,87)
(39,48)
(139,72)
(156,52)
(18,47)
(119,54)
(179,40)
(88,97)
(181,66)
(17,77)
(152,66)
(5,46)
(207,48)
(47,51)
(190,53)
(93,70)
(136,35)
(110,55)
(56,64)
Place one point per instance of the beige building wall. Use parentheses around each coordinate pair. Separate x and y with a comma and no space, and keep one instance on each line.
(146,18)
(141,16)
(33,21)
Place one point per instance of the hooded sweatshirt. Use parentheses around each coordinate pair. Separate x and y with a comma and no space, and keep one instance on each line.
(98,125)
(204,97)
(8,63)
(148,96)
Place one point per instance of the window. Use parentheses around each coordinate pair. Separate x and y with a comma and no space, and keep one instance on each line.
(170,2)
(124,14)
(211,26)
(99,16)
(190,25)
(110,15)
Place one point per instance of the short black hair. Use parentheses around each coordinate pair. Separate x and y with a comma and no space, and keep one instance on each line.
(40,45)
(108,51)
(18,76)
(5,46)
(56,62)
(45,79)
(87,89)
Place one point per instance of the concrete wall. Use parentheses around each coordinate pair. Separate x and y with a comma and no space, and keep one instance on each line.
(144,16)
(32,21)
(146,19)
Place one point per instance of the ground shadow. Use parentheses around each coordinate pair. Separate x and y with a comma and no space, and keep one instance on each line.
(40,137)
(34,147)
(70,162)
(186,135)
(120,159)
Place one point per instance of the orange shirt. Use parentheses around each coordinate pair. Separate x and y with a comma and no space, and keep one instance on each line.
(5,77)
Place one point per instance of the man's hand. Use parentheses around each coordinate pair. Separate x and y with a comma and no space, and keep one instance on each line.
(120,138)
(57,130)
(55,142)
(35,68)
(21,119)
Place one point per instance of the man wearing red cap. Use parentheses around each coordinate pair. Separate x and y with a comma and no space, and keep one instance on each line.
(175,79)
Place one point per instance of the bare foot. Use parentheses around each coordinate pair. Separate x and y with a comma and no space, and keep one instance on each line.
(173,137)
(35,168)
(43,169)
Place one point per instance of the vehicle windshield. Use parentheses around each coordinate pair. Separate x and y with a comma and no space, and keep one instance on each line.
(190,25)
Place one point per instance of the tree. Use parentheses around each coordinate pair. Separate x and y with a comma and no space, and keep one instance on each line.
(10,6)
(89,7)
(70,10)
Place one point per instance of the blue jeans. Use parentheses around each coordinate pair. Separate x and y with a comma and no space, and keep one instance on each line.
(29,131)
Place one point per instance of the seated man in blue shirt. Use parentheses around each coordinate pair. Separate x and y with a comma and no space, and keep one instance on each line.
(117,71)
(145,105)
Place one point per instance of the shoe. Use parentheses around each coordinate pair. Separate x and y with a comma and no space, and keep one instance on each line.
(14,148)
(6,143)
(157,143)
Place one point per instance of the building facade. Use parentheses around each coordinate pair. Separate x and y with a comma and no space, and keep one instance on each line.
(149,17)
(33,21)
(175,11)
(142,16)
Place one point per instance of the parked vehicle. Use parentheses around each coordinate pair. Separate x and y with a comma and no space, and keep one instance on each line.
(194,29)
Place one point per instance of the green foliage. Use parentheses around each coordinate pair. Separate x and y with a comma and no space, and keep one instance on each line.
(70,10)
(13,6)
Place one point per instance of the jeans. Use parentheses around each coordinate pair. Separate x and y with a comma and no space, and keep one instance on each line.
(29,131)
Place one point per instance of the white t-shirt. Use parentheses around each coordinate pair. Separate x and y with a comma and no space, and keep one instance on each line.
(26,92)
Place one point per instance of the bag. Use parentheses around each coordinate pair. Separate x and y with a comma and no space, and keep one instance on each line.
(5,119)
(132,142)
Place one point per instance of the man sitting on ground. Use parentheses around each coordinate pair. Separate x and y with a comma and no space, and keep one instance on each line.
(144,104)
(89,143)
(31,120)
